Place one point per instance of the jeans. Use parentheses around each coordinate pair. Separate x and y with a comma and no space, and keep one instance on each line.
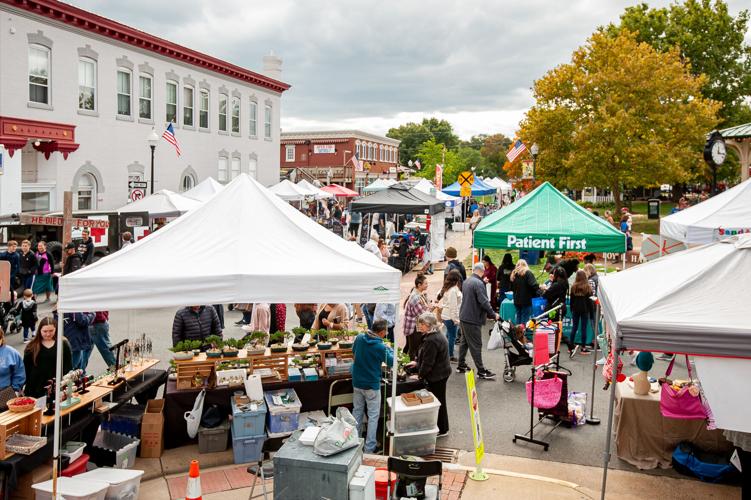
(368,316)
(438,388)
(80,359)
(246,317)
(579,319)
(451,328)
(100,336)
(26,331)
(472,340)
(390,334)
(370,398)
(523,314)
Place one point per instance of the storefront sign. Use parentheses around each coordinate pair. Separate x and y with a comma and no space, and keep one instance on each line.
(326,149)
(46,220)
(561,243)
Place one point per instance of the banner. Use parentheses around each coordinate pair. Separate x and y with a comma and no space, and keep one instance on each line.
(324,149)
(474,415)
(439,176)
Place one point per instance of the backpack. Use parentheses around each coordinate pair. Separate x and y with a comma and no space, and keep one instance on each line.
(708,467)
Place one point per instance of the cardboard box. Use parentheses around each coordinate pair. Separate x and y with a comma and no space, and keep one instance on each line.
(152,429)
(23,490)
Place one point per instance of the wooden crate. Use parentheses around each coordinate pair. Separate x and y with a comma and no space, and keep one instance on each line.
(338,353)
(28,422)
(186,372)
(276,362)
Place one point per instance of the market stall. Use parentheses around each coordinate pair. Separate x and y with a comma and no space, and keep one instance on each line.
(378,185)
(340,191)
(718,217)
(678,315)
(204,190)
(163,203)
(479,188)
(288,191)
(245,268)
(313,191)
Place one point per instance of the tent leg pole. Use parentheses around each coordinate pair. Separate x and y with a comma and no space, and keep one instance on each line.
(592,420)
(56,397)
(394,369)
(613,382)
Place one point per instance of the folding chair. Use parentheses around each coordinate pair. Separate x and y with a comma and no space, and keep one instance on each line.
(416,474)
(269,446)
(340,399)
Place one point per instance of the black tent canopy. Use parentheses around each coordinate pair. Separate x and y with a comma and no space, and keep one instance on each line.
(399,199)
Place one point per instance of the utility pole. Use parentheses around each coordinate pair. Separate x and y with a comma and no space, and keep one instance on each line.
(67,221)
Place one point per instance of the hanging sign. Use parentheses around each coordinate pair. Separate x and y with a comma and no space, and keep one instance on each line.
(565,243)
(324,149)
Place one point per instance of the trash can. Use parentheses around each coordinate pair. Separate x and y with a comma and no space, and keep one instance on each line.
(653,208)
(531,256)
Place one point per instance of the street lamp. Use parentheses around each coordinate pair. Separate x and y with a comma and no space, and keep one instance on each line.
(535,150)
(153,140)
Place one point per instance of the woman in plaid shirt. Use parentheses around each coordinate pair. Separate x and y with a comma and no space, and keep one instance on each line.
(416,304)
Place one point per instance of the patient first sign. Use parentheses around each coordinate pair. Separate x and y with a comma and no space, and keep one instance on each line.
(528,242)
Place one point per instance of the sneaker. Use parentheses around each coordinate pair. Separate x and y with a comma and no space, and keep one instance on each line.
(453,359)
(26,341)
(486,375)
(600,362)
(665,357)
(462,369)
(443,435)
(584,350)
(572,352)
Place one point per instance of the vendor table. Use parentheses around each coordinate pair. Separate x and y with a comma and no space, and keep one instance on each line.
(82,427)
(314,395)
(508,312)
(646,439)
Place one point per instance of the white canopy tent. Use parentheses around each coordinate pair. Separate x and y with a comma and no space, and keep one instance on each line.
(204,190)
(378,185)
(696,305)
(163,203)
(288,191)
(311,190)
(169,268)
(718,217)
(498,183)
(428,187)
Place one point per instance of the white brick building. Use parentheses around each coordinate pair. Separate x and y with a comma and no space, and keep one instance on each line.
(80,94)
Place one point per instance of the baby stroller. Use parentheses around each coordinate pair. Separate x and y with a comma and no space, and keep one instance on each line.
(514,352)
(10,315)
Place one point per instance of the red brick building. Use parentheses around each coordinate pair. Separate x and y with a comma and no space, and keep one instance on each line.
(327,156)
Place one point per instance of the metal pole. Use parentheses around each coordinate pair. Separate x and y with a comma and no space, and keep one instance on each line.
(595,330)
(58,383)
(394,369)
(613,382)
(153,147)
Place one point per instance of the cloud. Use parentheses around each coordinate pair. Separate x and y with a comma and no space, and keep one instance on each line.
(375,64)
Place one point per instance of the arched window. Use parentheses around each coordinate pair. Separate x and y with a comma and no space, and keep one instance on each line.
(86,192)
(187,183)
(357,149)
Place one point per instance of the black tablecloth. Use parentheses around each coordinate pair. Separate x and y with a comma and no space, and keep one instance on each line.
(83,427)
(314,395)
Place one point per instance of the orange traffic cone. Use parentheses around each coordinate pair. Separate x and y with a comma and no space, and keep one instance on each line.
(193,491)
(475,256)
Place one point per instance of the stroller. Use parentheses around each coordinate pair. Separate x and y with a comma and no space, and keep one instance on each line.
(10,315)
(514,352)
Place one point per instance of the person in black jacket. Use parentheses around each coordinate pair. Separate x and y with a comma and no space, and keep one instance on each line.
(581,310)
(73,259)
(28,267)
(525,288)
(504,275)
(555,295)
(433,366)
(454,263)
(195,323)
(88,254)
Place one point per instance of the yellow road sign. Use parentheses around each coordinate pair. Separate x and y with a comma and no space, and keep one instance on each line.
(466,179)
(474,417)
(465,191)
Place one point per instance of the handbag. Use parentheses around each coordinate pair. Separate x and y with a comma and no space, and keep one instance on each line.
(547,391)
(680,404)
(193,417)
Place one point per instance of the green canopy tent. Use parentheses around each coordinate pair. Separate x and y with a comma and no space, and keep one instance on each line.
(546,219)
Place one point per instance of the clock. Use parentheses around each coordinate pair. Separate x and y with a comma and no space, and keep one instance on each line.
(715,151)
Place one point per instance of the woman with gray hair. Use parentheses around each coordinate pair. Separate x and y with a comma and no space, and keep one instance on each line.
(433,366)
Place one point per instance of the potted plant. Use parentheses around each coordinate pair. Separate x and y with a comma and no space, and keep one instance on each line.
(256,343)
(182,351)
(347,339)
(230,348)
(323,343)
(299,333)
(278,343)
(195,346)
(215,344)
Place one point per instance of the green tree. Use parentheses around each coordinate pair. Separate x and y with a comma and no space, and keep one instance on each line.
(709,38)
(494,153)
(620,114)
(413,135)
(474,142)
(442,132)
(432,153)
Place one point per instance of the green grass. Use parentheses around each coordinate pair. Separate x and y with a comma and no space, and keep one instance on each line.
(497,256)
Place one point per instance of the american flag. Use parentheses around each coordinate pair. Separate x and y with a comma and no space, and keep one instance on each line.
(517,148)
(169,136)
(357,163)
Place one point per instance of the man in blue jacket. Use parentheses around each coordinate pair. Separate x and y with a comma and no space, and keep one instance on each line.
(370,353)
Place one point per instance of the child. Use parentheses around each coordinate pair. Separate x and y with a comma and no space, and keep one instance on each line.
(27,309)
(581,310)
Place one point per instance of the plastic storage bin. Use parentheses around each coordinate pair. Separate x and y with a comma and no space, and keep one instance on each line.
(415,443)
(248,423)
(72,488)
(110,449)
(72,450)
(282,418)
(417,418)
(123,484)
(214,439)
(76,467)
(125,420)
(362,485)
(247,449)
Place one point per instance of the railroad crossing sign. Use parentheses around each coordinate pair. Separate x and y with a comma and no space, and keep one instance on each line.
(466,179)
(136,194)
(137,184)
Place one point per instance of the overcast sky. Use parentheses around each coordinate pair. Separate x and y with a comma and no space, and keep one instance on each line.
(371,65)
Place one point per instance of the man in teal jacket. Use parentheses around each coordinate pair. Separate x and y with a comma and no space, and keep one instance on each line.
(370,353)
